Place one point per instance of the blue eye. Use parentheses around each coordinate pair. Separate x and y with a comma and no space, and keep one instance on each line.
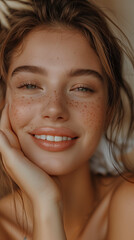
(84,89)
(28,86)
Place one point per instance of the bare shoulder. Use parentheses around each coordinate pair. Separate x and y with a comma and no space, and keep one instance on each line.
(121,212)
(123,196)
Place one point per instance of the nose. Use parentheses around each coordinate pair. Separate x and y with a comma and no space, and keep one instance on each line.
(56,108)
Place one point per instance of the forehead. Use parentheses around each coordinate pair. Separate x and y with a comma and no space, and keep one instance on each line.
(57,48)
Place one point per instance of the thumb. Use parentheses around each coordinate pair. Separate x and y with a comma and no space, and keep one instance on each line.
(8,152)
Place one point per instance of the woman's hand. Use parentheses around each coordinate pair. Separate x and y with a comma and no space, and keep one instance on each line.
(30,178)
(40,188)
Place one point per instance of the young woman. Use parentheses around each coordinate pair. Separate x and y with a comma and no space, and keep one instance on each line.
(62,85)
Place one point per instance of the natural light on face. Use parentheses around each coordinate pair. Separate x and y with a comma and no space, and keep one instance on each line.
(57,82)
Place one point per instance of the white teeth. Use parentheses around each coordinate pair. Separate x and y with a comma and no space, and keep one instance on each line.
(43,137)
(50,138)
(58,139)
(53,138)
(37,136)
(64,138)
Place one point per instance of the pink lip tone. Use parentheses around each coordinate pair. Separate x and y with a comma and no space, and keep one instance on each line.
(54,132)
(53,146)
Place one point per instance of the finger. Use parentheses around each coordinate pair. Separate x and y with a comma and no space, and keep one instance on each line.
(10,155)
(5,123)
(18,167)
(30,178)
(5,126)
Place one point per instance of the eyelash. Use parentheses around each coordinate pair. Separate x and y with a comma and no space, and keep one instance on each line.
(25,85)
(83,89)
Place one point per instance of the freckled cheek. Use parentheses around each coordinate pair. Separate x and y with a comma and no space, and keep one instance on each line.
(91,113)
(21,111)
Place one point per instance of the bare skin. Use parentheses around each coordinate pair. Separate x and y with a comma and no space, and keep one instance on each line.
(82,226)
(94,218)
(64,91)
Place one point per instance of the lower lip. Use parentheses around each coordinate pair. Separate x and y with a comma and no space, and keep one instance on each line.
(54,146)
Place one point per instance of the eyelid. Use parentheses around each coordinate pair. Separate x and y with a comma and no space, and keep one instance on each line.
(86,86)
(25,83)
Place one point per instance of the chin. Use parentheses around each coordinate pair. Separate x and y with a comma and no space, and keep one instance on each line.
(56,165)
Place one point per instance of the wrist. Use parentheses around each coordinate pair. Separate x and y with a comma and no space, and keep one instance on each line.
(48,222)
(46,209)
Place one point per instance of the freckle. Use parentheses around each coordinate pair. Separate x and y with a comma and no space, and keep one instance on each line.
(31,99)
(39,100)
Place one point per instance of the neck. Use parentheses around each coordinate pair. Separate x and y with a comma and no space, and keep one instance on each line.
(78,198)
(77,189)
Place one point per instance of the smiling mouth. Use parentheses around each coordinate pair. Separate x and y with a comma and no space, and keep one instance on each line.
(52,138)
(52,143)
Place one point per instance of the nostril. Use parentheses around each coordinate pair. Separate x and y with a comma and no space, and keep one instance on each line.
(59,117)
(53,117)
(55,112)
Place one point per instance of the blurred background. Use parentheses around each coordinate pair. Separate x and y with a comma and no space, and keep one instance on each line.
(122,12)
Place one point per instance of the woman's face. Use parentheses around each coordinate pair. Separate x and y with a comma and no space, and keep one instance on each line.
(57,99)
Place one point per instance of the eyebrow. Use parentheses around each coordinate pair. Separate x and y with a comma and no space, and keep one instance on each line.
(85,72)
(73,73)
(28,68)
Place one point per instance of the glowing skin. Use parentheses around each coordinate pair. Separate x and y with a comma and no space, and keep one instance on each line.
(60,99)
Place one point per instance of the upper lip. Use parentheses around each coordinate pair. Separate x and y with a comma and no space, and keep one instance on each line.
(54,132)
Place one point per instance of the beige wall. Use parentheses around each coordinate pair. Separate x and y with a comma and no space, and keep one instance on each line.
(122,12)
